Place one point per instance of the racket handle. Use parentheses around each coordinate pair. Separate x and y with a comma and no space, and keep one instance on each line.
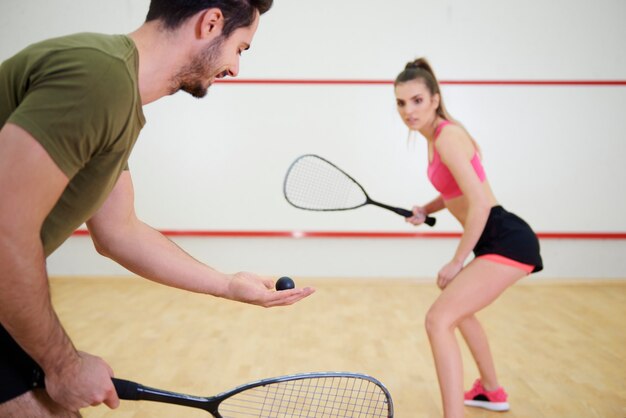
(402,212)
(131,391)
(126,389)
(430,221)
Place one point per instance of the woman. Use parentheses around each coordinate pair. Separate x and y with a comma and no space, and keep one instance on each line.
(505,247)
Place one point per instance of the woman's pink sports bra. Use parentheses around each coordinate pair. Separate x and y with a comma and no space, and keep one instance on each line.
(441,177)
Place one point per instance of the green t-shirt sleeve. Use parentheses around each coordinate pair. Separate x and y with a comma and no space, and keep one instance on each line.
(77,104)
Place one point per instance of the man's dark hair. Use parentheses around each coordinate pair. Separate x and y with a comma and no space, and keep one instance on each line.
(237,13)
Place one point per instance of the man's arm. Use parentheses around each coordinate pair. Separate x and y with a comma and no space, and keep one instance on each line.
(30,185)
(118,234)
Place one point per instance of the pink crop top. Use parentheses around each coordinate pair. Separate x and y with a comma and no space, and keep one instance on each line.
(441,177)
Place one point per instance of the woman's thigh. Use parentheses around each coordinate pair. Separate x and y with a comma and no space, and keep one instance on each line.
(476,286)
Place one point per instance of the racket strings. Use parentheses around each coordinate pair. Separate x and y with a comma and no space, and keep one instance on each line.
(315,184)
(313,398)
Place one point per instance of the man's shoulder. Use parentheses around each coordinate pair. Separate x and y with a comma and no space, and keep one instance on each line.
(90,44)
(98,60)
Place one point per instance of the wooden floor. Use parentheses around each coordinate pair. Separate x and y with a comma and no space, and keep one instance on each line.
(560,347)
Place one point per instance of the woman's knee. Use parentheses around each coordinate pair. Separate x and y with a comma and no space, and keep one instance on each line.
(438,320)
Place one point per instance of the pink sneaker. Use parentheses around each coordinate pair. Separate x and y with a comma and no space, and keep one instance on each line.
(494,401)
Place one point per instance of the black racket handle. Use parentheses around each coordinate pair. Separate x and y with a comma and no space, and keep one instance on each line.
(430,221)
(131,391)
(126,389)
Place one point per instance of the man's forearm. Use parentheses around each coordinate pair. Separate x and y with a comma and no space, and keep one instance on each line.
(26,309)
(118,234)
(148,253)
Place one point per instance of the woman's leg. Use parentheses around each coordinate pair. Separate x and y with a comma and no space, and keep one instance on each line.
(474,288)
(476,339)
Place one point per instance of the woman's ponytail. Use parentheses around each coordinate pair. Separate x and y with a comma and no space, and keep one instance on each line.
(420,70)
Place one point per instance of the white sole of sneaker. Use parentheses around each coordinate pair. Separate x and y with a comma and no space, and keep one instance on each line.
(492,406)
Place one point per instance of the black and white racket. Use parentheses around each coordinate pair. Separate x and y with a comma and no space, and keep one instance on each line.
(311,395)
(314,183)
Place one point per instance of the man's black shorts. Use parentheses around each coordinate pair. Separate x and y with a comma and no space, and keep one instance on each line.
(18,372)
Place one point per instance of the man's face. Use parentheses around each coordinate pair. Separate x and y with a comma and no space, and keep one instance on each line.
(218,59)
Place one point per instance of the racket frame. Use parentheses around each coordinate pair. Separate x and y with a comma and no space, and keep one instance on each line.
(368,200)
(129,390)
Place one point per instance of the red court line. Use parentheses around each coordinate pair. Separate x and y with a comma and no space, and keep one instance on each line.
(365,234)
(448,82)
(368,234)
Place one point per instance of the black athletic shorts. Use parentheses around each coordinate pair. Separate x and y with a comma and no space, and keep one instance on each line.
(18,372)
(508,235)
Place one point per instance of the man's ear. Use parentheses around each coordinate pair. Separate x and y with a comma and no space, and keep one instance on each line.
(210,23)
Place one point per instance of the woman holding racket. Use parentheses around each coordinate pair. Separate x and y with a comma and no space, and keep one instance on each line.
(505,247)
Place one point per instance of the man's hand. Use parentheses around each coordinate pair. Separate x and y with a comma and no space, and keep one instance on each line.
(256,290)
(86,381)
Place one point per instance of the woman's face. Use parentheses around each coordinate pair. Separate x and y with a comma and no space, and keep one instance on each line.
(416,106)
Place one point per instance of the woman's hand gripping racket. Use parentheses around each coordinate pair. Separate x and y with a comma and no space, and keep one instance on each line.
(312,395)
(314,183)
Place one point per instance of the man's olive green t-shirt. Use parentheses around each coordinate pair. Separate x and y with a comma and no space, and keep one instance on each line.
(78,96)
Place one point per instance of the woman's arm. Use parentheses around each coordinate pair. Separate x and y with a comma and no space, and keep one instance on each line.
(434,205)
(456,150)
(118,234)
(421,212)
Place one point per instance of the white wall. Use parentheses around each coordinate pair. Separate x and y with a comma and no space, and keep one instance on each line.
(553,153)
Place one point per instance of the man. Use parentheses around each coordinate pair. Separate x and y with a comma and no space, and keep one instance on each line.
(70,112)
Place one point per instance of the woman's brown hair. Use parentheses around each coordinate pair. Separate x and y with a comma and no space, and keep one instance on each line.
(420,70)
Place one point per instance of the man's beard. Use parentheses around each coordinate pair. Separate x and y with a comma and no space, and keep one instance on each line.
(191,77)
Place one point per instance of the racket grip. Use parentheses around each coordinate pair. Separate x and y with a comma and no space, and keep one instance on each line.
(403,212)
(126,389)
(430,221)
